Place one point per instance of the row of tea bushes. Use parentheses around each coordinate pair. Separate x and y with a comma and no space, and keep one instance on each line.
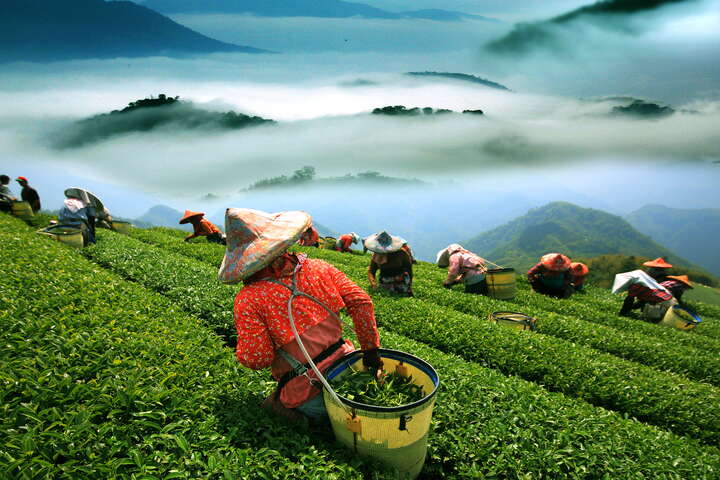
(662,399)
(666,400)
(664,355)
(486,424)
(692,363)
(102,378)
(191,284)
(430,275)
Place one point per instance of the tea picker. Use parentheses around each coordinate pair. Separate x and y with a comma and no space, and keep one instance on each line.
(551,276)
(579,272)
(6,196)
(275,280)
(393,258)
(463,267)
(677,285)
(286,317)
(29,194)
(644,293)
(345,241)
(202,227)
(310,237)
(80,210)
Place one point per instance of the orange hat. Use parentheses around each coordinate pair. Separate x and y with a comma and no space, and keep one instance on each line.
(22,179)
(555,261)
(681,278)
(579,269)
(190,214)
(657,263)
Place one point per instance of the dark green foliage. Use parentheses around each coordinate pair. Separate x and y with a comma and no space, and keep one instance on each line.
(643,110)
(485,425)
(306,175)
(160,101)
(608,14)
(662,399)
(402,111)
(104,379)
(302,175)
(614,7)
(391,390)
(461,76)
(166,113)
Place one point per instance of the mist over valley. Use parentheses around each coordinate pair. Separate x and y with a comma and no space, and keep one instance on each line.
(599,131)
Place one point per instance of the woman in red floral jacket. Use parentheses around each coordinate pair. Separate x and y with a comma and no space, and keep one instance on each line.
(256,254)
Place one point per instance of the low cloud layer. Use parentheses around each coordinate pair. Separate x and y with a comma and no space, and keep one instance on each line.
(329,127)
(561,34)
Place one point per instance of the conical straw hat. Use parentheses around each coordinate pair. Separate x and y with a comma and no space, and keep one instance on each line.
(255,238)
(579,269)
(556,262)
(657,263)
(443,256)
(383,242)
(681,278)
(190,214)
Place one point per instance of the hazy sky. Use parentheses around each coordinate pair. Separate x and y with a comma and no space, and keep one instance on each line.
(510,11)
(545,137)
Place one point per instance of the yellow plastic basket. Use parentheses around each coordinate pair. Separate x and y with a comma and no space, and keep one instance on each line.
(397,436)
(516,320)
(121,227)
(329,243)
(64,234)
(501,283)
(680,318)
(22,210)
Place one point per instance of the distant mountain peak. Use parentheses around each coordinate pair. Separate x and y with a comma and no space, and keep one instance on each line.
(304,8)
(461,77)
(569,229)
(53,30)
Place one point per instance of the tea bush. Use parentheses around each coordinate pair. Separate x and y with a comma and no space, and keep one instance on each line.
(666,400)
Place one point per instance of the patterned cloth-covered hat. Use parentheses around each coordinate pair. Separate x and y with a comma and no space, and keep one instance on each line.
(88,198)
(443,256)
(556,262)
(657,263)
(355,237)
(383,242)
(190,214)
(579,269)
(256,238)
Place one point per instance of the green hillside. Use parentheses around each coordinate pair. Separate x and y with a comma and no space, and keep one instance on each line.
(566,228)
(702,293)
(116,365)
(691,233)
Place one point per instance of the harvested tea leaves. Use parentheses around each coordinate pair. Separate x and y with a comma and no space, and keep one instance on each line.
(390,390)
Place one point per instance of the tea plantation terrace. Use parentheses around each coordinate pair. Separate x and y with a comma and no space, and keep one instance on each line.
(116,365)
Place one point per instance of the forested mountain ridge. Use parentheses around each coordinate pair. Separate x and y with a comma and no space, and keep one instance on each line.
(301,8)
(54,30)
(569,229)
(692,233)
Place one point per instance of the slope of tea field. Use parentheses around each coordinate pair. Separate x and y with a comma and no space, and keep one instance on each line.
(113,367)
